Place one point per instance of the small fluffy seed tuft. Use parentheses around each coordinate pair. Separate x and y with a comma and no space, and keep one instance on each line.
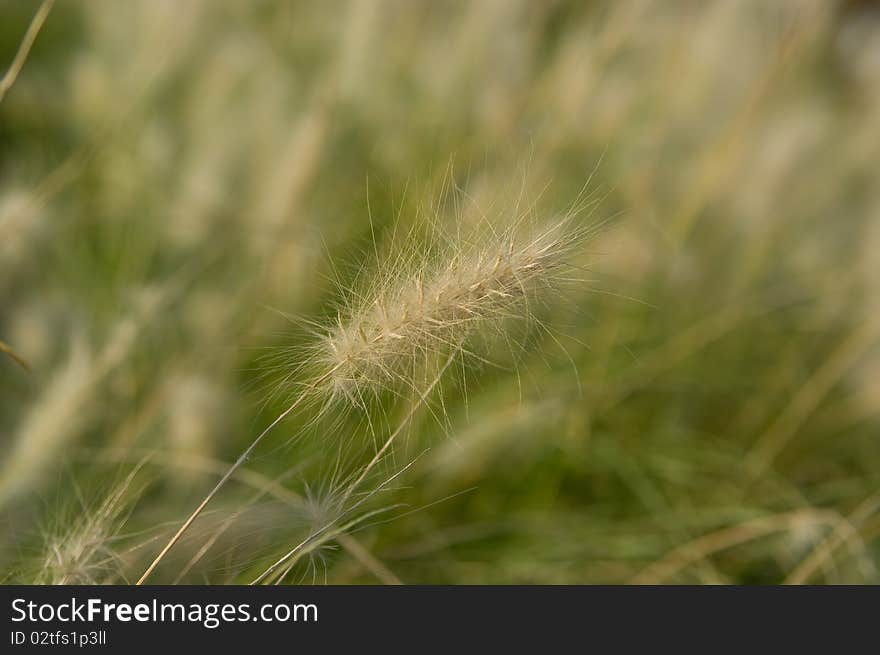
(385,337)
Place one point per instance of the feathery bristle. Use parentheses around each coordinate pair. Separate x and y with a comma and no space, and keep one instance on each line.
(414,315)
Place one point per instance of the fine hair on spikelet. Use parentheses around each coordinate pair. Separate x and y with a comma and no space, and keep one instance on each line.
(418,309)
(86,552)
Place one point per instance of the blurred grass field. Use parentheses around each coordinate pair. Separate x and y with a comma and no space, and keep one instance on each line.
(182,184)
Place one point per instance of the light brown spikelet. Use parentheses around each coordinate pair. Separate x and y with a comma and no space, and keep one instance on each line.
(84,552)
(414,314)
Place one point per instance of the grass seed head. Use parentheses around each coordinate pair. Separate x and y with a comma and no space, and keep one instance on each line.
(412,316)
